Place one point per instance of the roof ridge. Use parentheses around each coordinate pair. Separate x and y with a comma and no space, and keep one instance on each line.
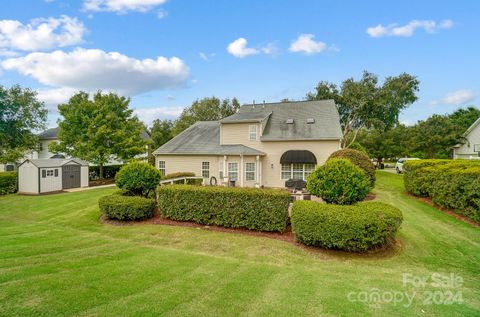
(284,102)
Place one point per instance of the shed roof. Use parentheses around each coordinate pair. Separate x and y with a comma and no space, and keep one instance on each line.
(54,162)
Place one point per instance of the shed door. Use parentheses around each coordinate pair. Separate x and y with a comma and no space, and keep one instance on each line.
(71,176)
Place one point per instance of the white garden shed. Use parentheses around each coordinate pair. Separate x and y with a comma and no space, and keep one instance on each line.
(51,175)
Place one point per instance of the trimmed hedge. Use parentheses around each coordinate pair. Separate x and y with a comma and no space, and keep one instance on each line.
(8,183)
(339,181)
(355,228)
(255,209)
(120,207)
(109,171)
(452,184)
(359,159)
(138,178)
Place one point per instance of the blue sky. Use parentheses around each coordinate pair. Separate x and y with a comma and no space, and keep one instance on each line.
(166,54)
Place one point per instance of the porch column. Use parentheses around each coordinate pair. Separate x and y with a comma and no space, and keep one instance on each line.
(260,173)
(240,170)
(224,170)
(257,172)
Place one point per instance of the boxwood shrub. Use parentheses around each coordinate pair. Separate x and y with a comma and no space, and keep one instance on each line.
(339,181)
(356,228)
(359,159)
(121,207)
(138,178)
(452,184)
(8,183)
(256,209)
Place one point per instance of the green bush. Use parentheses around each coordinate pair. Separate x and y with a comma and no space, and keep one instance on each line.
(452,184)
(359,159)
(357,146)
(8,183)
(358,227)
(109,171)
(120,207)
(138,178)
(256,209)
(338,181)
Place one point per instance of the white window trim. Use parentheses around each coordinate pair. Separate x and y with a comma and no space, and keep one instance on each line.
(252,133)
(163,169)
(206,169)
(232,171)
(291,171)
(254,172)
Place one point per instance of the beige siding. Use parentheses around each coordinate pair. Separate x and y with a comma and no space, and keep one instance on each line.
(466,150)
(51,183)
(188,163)
(238,133)
(45,153)
(28,178)
(84,176)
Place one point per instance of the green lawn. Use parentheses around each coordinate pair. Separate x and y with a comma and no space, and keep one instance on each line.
(57,259)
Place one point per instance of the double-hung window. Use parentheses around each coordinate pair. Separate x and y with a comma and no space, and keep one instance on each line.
(250,171)
(252,132)
(233,171)
(205,169)
(162,168)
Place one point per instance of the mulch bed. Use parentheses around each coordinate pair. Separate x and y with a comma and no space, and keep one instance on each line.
(390,249)
(100,182)
(449,212)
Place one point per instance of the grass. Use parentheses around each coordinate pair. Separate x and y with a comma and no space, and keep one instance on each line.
(57,259)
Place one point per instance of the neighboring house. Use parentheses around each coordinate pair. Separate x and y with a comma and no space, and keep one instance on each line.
(51,136)
(470,149)
(38,176)
(260,145)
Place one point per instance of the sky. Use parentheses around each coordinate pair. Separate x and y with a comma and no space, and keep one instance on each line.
(165,54)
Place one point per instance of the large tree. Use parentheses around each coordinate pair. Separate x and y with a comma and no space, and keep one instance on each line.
(99,129)
(161,132)
(381,144)
(206,109)
(21,115)
(365,103)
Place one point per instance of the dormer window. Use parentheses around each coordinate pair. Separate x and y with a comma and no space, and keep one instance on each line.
(252,132)
(289,121)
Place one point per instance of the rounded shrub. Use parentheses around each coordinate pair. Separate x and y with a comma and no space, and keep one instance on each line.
(8,183)
(120,207)
(338,181)
(356,228)
(359,159)
(138,178)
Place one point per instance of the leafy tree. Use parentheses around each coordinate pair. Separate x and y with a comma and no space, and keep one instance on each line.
(99,129)
(21,114)
(381,144)
(161,132)
(366,104)
(206,109)
(465,117)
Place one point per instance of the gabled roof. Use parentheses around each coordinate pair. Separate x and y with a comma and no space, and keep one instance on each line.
(203,138)
(325,126)
(49,134)
(54,162)
(473,126)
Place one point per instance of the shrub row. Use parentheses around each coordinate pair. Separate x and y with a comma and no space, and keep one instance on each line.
(452,184)
(109,171)
(356,228)
(8,183)
(120,207)
(256,209)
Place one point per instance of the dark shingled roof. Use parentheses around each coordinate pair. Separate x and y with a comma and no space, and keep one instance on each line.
(49,134)
(203,138)
(55,162)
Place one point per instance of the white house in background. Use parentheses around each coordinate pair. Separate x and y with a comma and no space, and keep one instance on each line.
(39,176)
(470,149)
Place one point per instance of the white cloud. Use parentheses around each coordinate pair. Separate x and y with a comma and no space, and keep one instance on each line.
(238,48)
(92,69)
(54,97)
(305,43)
(41,33)
(121,6)
(147,115)
(458,97)
(161,14)
(270,49)
(206,56)
(408,29)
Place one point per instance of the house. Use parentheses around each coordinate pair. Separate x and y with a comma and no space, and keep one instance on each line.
(470,149)
(260,145)
(39,176)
